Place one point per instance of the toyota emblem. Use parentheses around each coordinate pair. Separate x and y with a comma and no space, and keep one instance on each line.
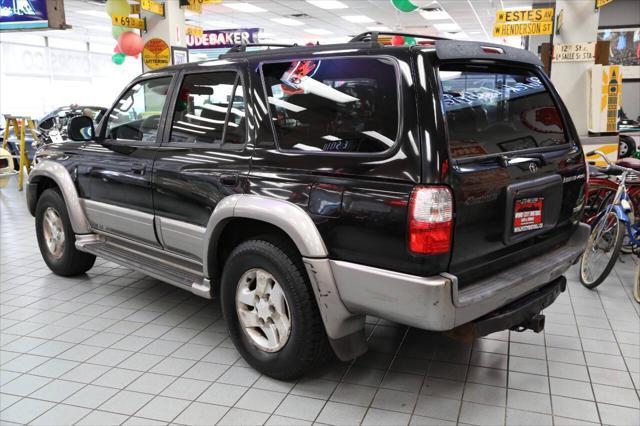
(533,167)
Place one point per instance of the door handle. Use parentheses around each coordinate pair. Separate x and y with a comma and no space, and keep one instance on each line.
(138,169)
(229,180)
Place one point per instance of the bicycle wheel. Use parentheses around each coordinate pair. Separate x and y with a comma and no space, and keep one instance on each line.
(602,251)
(598,198)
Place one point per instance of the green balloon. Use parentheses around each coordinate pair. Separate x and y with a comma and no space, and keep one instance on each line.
(117,30)
(117,7)
(118,58)
(410,41)
(404,5)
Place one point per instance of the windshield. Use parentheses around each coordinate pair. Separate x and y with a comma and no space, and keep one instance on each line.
(492,112)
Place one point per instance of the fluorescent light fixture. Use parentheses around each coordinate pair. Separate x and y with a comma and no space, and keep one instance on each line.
(379,28)
(331,138)
(317,31)
(358,19)
(451,27)
(189,130)
(96,13)
(438,14)
(244,7)
(328,4)
(288,21)
(286,105)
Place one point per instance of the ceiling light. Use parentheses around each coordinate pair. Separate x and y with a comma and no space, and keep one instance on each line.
(380,28)
(328,4)
(317,31)
(451,27)
(358,19)
(288,21)
(244,7)
(436,14)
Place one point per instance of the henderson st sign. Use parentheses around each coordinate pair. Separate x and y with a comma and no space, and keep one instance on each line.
(212,39)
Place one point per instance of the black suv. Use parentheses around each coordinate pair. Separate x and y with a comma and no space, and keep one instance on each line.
(439,186)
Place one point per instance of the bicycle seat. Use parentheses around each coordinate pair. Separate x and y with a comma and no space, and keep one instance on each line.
(631,163)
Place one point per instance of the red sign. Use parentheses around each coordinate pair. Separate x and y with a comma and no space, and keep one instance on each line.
(528,214)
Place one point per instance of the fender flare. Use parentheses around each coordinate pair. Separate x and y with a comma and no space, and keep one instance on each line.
(60,175)
(292,219)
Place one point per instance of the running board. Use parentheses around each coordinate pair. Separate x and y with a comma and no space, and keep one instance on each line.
(174,270)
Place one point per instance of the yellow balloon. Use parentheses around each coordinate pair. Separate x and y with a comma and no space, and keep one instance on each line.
(117,7)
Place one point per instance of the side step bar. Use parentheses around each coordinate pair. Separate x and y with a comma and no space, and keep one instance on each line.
(177,271)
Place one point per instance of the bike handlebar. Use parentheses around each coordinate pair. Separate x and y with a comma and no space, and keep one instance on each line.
(612,169)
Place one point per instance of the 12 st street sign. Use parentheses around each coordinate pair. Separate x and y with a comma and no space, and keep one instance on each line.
(522,29)
(153,7)
(527,15)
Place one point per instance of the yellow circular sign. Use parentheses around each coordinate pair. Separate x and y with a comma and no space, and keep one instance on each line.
(156,53)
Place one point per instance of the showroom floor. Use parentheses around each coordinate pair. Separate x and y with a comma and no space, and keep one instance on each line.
(117,347)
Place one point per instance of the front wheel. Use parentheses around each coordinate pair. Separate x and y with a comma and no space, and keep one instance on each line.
(56,238)
(602,251)
(270,309)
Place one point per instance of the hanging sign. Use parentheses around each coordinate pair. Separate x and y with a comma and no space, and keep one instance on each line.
(195,31)
(574,52)
(153,7)
(523,22)
(134,9)
(212,39)
(600,3)
(129,22)
(523,29)
(156,53)
(526,15)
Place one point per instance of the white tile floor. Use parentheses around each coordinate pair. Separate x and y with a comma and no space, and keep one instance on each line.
(117,347)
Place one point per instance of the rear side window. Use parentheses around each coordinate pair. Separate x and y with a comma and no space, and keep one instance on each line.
(345,105)
(492,112)
(210,109)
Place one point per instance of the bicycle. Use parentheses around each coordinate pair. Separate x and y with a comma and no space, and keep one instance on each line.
(609,222)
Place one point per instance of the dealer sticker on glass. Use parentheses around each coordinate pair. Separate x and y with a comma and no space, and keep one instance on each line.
(528,214)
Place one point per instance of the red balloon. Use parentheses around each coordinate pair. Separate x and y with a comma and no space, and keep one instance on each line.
(116,49)
(397,40)
(130,43)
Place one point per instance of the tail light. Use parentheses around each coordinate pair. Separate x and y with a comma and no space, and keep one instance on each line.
(430,220)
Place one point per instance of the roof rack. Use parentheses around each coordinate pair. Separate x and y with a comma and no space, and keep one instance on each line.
(372,36)
(239,48)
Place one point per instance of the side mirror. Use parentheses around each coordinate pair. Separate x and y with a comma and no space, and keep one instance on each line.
(80,129)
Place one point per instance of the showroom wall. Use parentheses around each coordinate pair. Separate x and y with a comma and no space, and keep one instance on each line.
(39,74)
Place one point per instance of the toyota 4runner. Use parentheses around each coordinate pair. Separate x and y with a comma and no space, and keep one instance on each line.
(439,186)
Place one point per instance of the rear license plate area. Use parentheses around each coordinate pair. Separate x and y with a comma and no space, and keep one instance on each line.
(532,207)
(527,214)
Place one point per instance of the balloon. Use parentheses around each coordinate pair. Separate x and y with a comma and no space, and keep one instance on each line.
(404,5)
(117,30)
(397,40)
(410,41)
(130,43)
(117,7)
(116,49)
(118,58)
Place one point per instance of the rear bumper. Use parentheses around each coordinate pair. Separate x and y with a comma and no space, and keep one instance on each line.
(436,303)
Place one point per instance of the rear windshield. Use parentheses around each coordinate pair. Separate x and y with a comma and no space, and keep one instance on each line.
(345,105)
(491,112)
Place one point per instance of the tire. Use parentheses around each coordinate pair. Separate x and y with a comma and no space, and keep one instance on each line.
(305,345)
(63,258)
(626,146)
(615,245)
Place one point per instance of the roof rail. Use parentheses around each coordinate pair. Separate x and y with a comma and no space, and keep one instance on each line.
(372,36)
(238,48)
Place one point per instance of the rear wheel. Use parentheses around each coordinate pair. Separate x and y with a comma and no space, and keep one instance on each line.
(602,251)
(270,310)
(56,238)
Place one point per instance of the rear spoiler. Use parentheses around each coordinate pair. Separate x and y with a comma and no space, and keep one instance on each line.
(461,49)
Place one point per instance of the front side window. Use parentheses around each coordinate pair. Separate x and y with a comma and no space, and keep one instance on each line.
(490,111)
(136,116)
(334,105)
(210,109)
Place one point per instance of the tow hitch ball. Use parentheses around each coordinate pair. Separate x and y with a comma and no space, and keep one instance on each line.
(535,323)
